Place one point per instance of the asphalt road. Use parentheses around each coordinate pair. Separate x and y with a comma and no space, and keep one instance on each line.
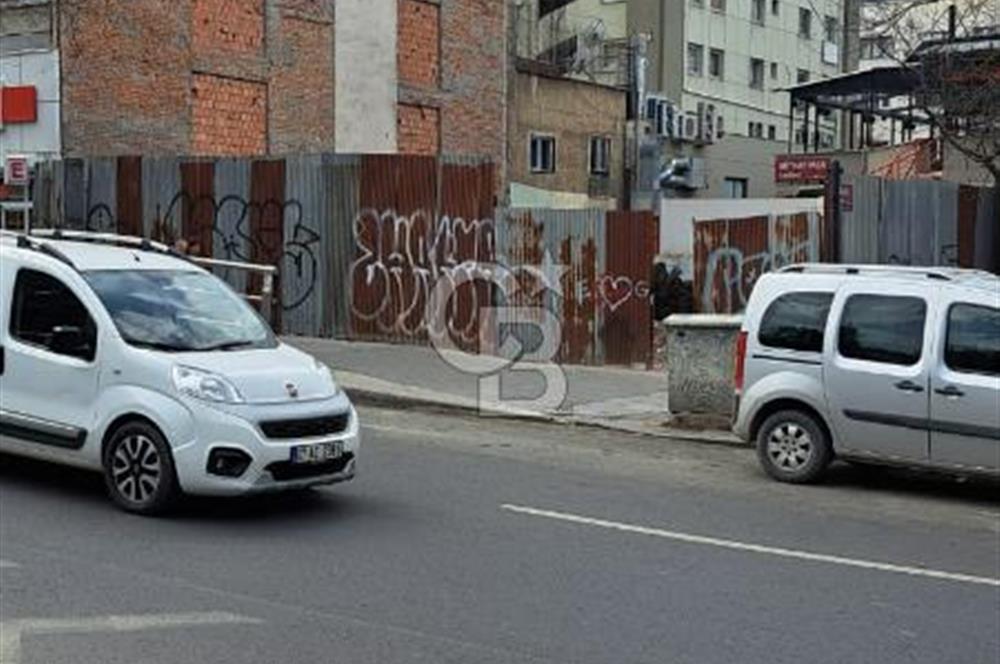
(466,540)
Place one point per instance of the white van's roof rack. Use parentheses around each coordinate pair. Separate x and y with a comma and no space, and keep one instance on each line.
(940,274)
(25,241)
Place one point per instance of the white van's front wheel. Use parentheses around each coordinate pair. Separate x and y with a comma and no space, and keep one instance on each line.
(793,447)
(139,470)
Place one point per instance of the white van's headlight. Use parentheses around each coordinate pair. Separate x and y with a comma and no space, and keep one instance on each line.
(205,385)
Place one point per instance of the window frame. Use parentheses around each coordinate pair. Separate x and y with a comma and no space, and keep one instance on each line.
(758,12)
(692,48)
(543,139)
(721,53)
(945,360)
(758,84)
(775,7)
(731,182)
(15,314)
(805,28)
(825,323)
(829,21)
(605,151)
(843,309)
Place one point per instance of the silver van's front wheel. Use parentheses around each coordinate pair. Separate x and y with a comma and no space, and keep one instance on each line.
(793,447)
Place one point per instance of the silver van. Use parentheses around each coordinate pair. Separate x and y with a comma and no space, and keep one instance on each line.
(871,364)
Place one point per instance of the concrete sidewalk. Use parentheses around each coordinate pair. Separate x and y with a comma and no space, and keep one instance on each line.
(621,399)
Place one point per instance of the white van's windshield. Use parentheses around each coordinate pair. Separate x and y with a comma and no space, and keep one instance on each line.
(178,311)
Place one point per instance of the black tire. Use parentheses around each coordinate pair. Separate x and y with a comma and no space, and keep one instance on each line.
(793,447)
(139,469)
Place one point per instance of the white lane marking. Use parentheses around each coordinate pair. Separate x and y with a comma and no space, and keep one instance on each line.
(8,564)
(755,548)
(12,630)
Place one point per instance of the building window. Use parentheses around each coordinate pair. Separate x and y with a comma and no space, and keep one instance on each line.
(717,63)
(600,155)
(698,3)
(802,76)
(757,73)
(775,7)
(774,71)
(755,130)
(757,11)
(543,154)
(805,23)
(830,28)
(735,187)
(720,126)
(696,59)
(772,133)
(719,6)
(546,7)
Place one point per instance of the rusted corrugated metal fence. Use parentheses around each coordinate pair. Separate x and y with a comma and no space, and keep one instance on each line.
(731,254)
(361,243)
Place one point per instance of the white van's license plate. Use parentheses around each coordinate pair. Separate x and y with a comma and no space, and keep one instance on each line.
(317,453)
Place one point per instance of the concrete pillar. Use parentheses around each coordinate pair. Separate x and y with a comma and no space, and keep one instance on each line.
(367,80)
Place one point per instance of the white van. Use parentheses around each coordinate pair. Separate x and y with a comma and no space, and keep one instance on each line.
(118,355)
(871,364)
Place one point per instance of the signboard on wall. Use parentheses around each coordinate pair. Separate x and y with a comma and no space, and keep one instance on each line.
(16,171)
(800,169)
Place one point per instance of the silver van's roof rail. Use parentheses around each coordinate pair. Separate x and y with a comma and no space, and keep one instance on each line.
(831,268)
(37,244)
(113,239)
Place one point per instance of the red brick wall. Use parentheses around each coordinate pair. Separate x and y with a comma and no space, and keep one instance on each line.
(125,77)
(302,80)
(228,25)
(419,47)
(419,130)
(228,116)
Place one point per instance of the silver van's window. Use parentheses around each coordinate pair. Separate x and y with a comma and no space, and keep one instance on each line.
(973,344)
(178,311)
(796,321)
(882,328)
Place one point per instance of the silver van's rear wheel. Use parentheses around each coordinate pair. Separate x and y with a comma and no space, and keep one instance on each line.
(138,469)
(793,447)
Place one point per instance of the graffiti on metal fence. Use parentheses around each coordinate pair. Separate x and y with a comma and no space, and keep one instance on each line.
(732,275)
(227,219)
(400,260)
(617,291)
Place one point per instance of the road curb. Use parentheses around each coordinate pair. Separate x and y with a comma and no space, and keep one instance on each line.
(365,390)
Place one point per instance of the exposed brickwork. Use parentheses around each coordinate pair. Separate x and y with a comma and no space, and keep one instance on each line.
(228,116)
(228,25)
(125,76)
(419,47)
(473,62)
(419,130)
(302,81)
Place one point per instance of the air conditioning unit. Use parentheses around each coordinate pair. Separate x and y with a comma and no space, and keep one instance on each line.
(684,173)
(706,123)
(659,111)
(687,126)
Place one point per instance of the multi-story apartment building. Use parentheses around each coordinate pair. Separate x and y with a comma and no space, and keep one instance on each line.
(726,63)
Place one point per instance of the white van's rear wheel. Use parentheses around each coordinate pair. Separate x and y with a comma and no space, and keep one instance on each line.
(793,447)
(139,470)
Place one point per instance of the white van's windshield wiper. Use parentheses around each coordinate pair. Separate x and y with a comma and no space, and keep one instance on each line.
(156,345)
(229,345)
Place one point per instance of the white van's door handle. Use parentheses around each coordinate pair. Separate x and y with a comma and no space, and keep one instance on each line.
(950,391)
(909,386)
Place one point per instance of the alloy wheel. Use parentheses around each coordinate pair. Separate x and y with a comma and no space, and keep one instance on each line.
(136,469)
